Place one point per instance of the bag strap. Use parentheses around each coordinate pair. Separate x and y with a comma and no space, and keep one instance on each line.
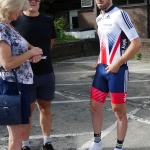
(14,72)
(15,75)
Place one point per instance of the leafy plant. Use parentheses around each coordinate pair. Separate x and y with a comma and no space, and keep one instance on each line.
(138,56)
(61,25)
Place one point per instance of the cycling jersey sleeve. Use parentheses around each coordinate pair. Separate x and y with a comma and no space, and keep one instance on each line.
(126,25)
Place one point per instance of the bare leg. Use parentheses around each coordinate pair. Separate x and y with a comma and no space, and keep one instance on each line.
(122,123)
(96,111)
(28,126)
(45,116)
(15,136)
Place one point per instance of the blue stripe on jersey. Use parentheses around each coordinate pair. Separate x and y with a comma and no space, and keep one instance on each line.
(111,41)
(126,19)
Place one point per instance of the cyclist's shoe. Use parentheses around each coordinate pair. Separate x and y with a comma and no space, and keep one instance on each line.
(96,146)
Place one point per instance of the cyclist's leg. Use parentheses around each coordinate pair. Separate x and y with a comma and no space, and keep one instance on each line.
(98,96)
(118,92)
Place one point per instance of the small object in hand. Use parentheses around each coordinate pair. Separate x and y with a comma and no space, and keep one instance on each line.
(43,57)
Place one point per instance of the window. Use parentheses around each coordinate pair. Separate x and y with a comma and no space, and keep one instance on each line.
(119,2)
(75,5)
(128,2)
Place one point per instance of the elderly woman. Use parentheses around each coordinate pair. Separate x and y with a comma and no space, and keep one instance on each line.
(15,53)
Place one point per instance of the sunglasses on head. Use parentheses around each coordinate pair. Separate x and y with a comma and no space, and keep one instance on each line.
(34,0)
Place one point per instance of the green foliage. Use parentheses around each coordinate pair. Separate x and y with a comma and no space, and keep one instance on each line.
(65,38)
(92,76)
(44,6)
(61,25)
(138,56)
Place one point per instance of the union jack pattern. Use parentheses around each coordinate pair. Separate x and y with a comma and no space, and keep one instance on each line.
(115,29)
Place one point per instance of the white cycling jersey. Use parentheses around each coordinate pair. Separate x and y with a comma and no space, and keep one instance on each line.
(115,29)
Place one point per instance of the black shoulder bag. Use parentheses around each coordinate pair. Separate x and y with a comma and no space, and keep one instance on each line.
(10,107)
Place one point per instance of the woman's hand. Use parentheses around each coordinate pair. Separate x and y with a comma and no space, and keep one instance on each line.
(36,51)
(35,59)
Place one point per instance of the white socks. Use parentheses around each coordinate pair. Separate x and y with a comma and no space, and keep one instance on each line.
(25,143)
(46,139)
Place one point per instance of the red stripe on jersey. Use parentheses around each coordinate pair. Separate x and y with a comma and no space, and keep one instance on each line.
(98,95)
(118,98)
(115,49)
(103,52)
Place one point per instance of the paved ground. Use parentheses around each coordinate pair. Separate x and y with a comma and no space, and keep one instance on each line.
(72,128)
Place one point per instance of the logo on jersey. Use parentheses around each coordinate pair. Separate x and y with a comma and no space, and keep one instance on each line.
(98,19)
(107,25)
(125,97)
(108,17)
(124,43)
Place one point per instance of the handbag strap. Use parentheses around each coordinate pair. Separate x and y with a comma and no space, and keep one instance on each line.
(15,75)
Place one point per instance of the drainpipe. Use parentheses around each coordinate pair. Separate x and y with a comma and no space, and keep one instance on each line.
(148,18)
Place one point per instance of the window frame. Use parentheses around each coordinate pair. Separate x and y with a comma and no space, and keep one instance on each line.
(130,5)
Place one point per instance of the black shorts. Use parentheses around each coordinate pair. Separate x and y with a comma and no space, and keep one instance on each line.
(43,87)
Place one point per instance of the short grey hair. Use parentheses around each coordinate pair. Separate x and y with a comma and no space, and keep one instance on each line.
(9,6)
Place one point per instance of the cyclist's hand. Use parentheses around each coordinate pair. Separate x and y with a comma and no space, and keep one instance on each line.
(95,65)
(114,67)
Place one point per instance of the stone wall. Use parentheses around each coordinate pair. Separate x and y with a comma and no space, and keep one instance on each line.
(91,46)
(88,47)
(67,49)
(73,49)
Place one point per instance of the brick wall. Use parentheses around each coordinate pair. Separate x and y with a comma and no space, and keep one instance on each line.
(145,50)
(86,19)
(138,16)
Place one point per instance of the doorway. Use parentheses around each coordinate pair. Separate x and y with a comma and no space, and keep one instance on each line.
(73,16)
